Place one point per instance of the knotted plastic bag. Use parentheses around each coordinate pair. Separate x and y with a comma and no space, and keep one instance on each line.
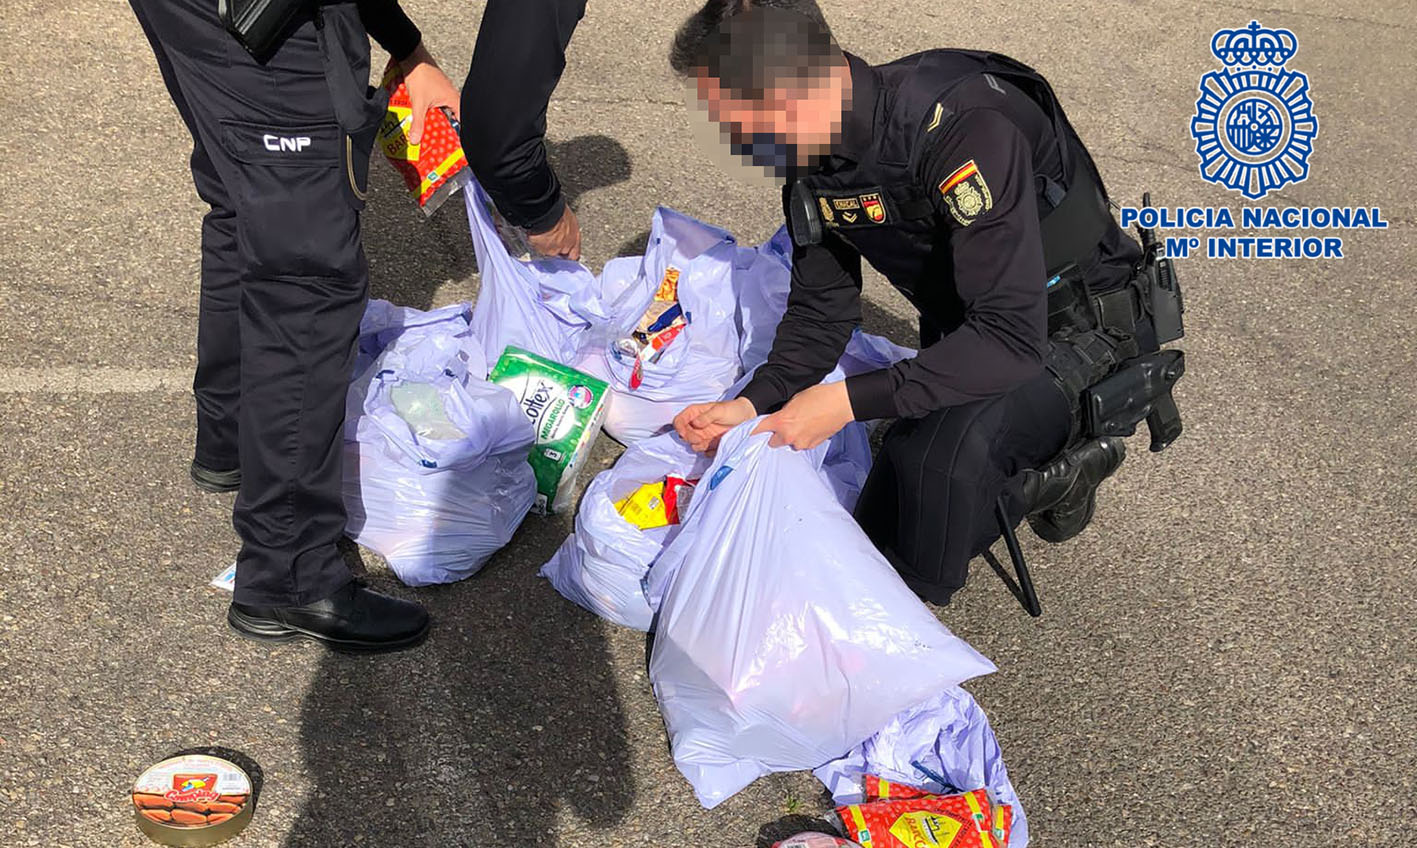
(435,472)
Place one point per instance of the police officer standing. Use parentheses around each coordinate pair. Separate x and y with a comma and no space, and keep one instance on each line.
(957,176)
(281,154)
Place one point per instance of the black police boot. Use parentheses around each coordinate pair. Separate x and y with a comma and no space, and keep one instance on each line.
(216,482)
(1062,496)
(356,618)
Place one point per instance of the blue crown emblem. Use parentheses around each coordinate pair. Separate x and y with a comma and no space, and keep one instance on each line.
(1254,46)
(1254,124)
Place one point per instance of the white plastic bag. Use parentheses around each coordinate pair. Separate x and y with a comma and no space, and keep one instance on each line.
(943,744)
(435,472)
(762,296)
(546,306)
(733,297)
(783,639)
(848,460)
(703,361)
(602,564)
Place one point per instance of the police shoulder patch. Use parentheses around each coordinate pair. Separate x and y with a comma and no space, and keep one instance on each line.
(966,194)
(874,207)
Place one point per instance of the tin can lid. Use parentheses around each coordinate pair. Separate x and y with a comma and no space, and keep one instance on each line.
(192,800)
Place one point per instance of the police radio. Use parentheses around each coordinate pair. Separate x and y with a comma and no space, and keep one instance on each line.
(1164,292)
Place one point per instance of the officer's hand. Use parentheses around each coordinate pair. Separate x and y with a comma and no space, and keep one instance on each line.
(703,424)
(810,418)
(563,239)
(428,88)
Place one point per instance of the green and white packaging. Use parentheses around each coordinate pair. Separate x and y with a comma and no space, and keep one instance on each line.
(566,408)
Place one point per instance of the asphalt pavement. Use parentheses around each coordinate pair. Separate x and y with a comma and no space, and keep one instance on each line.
(1226,656)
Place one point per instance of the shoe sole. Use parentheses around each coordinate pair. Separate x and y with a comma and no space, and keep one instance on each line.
(262,630)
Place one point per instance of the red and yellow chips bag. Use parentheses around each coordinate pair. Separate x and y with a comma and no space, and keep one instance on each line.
(927,821)
(880,789)
(431,169)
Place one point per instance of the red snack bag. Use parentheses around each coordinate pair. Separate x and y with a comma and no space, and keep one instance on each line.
(880,789)
(946,821)
(651,351)
(432,169)
(677,492)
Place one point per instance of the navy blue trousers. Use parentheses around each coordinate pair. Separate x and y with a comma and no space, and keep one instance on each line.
(928,504)
(281,155)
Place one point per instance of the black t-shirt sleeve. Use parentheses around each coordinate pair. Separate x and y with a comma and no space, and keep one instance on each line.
(823,307)
(980,176)
(518,60)
(386,23)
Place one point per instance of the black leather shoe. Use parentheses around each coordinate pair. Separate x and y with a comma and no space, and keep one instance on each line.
(215,482)
(356,618)
(1062,496)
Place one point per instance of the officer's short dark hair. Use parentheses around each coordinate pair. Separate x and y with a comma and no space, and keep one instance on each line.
(750,46)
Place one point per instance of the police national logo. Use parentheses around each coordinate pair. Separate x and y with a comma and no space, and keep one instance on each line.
(1254,124)
(966,194)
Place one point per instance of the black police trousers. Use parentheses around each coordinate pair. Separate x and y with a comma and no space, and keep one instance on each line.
(281,155)
(928,504)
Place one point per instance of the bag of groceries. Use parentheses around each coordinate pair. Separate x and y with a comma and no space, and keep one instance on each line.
(602,564)
(664,330)
(436,477)
(694,300)
(783,639)
(942,745)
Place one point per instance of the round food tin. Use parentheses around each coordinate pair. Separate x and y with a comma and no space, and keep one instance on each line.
(193,800)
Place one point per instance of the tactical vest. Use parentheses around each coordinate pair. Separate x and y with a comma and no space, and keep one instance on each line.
(880,209)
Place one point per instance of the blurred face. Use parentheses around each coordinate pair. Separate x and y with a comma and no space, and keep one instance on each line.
(792,124)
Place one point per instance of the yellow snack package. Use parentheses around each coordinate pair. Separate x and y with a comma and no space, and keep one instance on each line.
(645,507)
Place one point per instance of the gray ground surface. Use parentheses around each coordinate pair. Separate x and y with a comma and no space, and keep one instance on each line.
(1227,655)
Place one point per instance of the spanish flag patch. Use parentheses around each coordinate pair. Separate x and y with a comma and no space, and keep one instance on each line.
(966,194)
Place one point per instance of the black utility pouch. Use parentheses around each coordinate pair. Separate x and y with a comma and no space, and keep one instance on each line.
(1069,302)
(260,25)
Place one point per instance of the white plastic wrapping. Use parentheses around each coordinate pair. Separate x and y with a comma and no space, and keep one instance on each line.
(435,472)
(783,639)
(943,744)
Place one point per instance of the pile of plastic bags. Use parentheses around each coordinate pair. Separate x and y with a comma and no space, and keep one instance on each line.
(782,639)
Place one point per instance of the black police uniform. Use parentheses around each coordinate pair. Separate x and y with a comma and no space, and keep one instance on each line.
(948,166)
(520,54)
(281,154)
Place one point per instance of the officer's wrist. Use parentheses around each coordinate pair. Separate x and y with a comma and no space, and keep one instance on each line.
(419,56)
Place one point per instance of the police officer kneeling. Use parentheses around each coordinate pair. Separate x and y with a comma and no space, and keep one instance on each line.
(957,176)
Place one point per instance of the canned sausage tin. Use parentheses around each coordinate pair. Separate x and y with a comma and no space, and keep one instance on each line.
(193,800)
